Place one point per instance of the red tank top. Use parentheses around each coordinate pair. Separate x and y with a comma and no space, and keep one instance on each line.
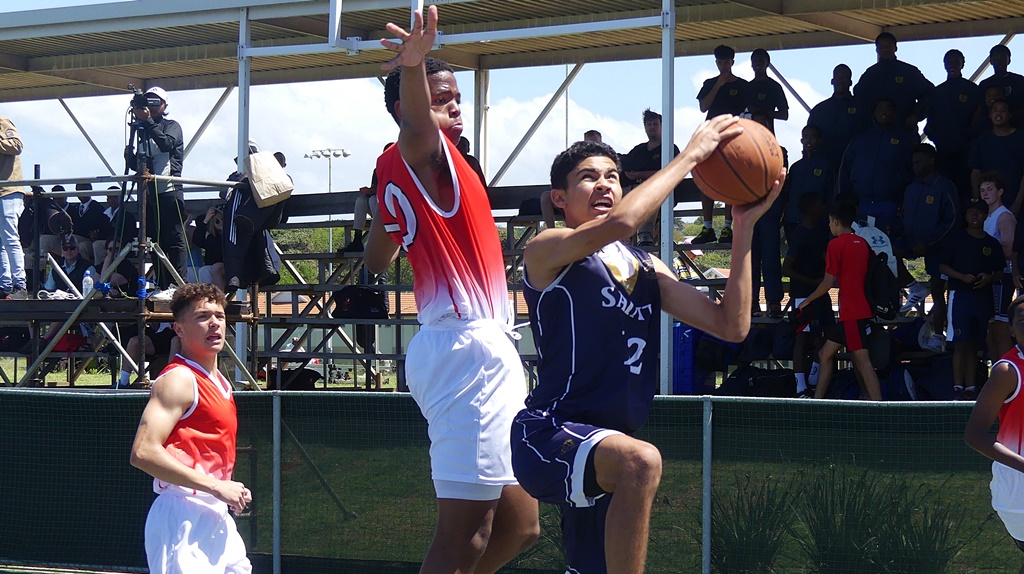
(1011,413)
(204,437)
(455,255)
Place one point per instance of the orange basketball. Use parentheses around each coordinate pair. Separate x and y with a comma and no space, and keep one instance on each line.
(743,169)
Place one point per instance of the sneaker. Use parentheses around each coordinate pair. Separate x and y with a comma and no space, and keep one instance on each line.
(163,295)
(725,236)
(354,247)
(914,298)
(19,294)
(958,393)
(706,235)
(970,393)
(807,393)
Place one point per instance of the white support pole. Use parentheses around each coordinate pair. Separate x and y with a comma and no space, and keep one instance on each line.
(209,119)
(86,134)
(481,105)
(536,123)
(668,102)
(334,23)
(244,69)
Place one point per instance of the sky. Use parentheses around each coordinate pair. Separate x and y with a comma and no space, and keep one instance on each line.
(298,118)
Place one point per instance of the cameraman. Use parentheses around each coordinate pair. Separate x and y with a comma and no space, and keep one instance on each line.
(161,148)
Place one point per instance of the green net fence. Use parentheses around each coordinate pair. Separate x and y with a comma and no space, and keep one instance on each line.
(797,486)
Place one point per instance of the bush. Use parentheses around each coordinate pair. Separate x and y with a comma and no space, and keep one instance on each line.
(749,527)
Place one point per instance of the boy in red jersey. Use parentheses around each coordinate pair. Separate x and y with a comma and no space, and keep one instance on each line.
(186,442)
(846,262)
(1001,399)
(461,367)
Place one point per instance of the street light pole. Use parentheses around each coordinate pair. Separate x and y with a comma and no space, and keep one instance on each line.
(330,154)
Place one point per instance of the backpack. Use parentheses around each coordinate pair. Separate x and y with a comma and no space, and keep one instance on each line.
(360,302)
(881,288)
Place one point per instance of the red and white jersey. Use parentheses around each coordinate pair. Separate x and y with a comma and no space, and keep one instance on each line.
(204,437)
(456,255)
(1011,413)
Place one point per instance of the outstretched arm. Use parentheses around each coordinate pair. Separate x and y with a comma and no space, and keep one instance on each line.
(553,249)
(419,140)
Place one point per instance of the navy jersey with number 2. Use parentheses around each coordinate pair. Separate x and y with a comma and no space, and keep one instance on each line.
(596,328)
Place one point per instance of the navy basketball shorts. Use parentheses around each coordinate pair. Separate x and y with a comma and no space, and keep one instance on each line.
(549,457)
(967,316)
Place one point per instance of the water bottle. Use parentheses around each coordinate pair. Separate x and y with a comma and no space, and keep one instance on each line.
(87,283)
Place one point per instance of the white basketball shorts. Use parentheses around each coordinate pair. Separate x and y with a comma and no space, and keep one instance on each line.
(193,535)
(468,381)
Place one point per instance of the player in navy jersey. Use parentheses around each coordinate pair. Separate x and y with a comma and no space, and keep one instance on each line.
(595,308)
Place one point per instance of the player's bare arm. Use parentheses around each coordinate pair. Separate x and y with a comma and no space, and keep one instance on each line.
(553,249)
(999,387)
(380,251)
(682,301)
(826,283)
(172,396)
(419,140)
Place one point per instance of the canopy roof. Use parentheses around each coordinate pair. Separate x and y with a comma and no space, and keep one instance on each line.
(191,44)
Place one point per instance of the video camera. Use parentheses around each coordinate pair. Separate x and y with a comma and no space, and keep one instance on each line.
(144,100)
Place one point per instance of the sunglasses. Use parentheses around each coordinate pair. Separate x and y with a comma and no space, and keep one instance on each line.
(69,247)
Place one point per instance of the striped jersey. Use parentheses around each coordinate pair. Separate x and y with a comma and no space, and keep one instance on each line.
(596,332)
(204,437)
(455,254)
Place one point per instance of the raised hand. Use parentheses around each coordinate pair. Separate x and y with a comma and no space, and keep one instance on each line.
(711,133)
(748,214)
(415,44)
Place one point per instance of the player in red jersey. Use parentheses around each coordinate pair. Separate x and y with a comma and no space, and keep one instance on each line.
(1001,399)
(186,442)
(461,367)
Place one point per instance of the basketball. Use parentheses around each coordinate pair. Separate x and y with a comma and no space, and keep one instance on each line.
(743,169)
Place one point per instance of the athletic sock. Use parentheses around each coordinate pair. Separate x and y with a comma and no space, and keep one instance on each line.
(123,380)
(728,224)
(812,379)
(801,382)
(707,225)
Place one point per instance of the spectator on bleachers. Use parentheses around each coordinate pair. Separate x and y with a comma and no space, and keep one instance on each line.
(876,166)
(1001,150)
(12,256)
(1001,224)
(75,267)
(724,94)
(89,225)
(952,108)
(209,236)
(1011,83)
(124,226)
(643,161)
(898,81)
(805,267)
(812,173)
(766,247)
(765,96)
(124,277)
(840,117)
(159,341)
(981,123)
(973,262)
(464,148)
(56,223)
(365,205)
(846,262)
(929,214)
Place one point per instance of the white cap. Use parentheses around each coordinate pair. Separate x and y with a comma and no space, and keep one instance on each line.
(159,92)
